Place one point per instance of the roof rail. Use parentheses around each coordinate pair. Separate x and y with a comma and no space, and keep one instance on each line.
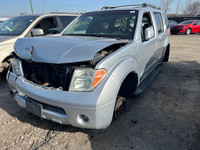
(63,13)
(136,5)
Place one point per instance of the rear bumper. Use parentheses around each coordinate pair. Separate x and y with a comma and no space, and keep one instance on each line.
(65,107)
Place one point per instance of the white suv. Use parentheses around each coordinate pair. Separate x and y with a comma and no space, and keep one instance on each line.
(29,26)
(82,77)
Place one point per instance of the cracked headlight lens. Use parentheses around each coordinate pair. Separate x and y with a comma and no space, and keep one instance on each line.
(17,67)
(86,79)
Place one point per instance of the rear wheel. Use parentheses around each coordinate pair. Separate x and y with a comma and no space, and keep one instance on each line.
(188,31)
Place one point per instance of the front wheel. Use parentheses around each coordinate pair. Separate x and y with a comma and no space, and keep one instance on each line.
(188,31)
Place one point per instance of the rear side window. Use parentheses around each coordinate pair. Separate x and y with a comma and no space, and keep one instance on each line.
(159,22)
(166,20)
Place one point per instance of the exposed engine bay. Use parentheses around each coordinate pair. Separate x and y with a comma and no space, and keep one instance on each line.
(60,75)
(106,51)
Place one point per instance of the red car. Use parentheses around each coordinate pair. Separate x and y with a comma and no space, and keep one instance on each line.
(187,27)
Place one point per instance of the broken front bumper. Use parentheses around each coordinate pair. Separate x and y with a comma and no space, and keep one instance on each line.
(92,110)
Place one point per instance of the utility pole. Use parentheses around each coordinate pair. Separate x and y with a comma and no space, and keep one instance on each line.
(31,6)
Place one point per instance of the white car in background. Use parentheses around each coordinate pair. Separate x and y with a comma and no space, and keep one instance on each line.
(28,26)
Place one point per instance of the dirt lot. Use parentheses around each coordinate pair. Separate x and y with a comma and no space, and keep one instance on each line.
(167,113)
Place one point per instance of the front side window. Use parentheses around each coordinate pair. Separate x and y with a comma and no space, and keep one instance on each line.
(48,25)
(159,22)
(196,22)
(110,24)
(16,26)
(186,22)
(146,23)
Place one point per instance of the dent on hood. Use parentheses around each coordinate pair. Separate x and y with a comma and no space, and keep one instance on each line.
(62,50)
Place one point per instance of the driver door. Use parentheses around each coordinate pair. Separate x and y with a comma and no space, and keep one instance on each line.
(147,48)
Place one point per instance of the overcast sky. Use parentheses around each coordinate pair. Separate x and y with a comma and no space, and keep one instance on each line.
(9,8)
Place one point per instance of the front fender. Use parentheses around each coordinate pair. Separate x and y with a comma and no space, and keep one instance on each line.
(117,74)
(4,54)
(123,67)
(111,86)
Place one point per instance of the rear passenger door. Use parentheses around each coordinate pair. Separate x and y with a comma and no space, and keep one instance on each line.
(198,23)
(160,34)
(196,26)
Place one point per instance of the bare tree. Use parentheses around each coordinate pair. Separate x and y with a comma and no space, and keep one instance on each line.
(178,7)
(165,5)
(191,8)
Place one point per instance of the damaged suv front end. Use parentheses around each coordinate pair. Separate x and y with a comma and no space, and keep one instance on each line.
(65,79)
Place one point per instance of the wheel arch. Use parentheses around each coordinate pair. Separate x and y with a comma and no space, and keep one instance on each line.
(166,54)
(117,74)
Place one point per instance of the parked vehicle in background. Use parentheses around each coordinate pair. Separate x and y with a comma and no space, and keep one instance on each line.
(172,23)
(187,27)
(28,26)
(3,19)
(82,76)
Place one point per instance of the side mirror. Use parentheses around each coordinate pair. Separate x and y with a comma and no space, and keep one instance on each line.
(149,33)
(37,32)
(194,24)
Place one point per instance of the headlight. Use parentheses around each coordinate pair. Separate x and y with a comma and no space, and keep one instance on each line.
(17,67)
(86,79)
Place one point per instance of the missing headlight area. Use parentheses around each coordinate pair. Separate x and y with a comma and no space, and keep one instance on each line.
(107,51)
(51,75)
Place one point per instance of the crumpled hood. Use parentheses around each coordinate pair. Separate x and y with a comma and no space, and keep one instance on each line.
(62,49)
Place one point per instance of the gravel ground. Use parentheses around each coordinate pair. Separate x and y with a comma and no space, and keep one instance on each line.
(167,113)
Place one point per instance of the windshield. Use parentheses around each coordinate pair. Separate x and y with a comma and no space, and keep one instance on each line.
(16,25)
(112,24)
(186,22)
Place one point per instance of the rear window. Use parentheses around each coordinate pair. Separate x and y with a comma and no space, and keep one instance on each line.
(159,22)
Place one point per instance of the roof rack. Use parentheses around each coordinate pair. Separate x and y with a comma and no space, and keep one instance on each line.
(136,5)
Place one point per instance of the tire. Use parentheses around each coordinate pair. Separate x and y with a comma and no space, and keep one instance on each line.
(5,65)
(188,31)
(166,56)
